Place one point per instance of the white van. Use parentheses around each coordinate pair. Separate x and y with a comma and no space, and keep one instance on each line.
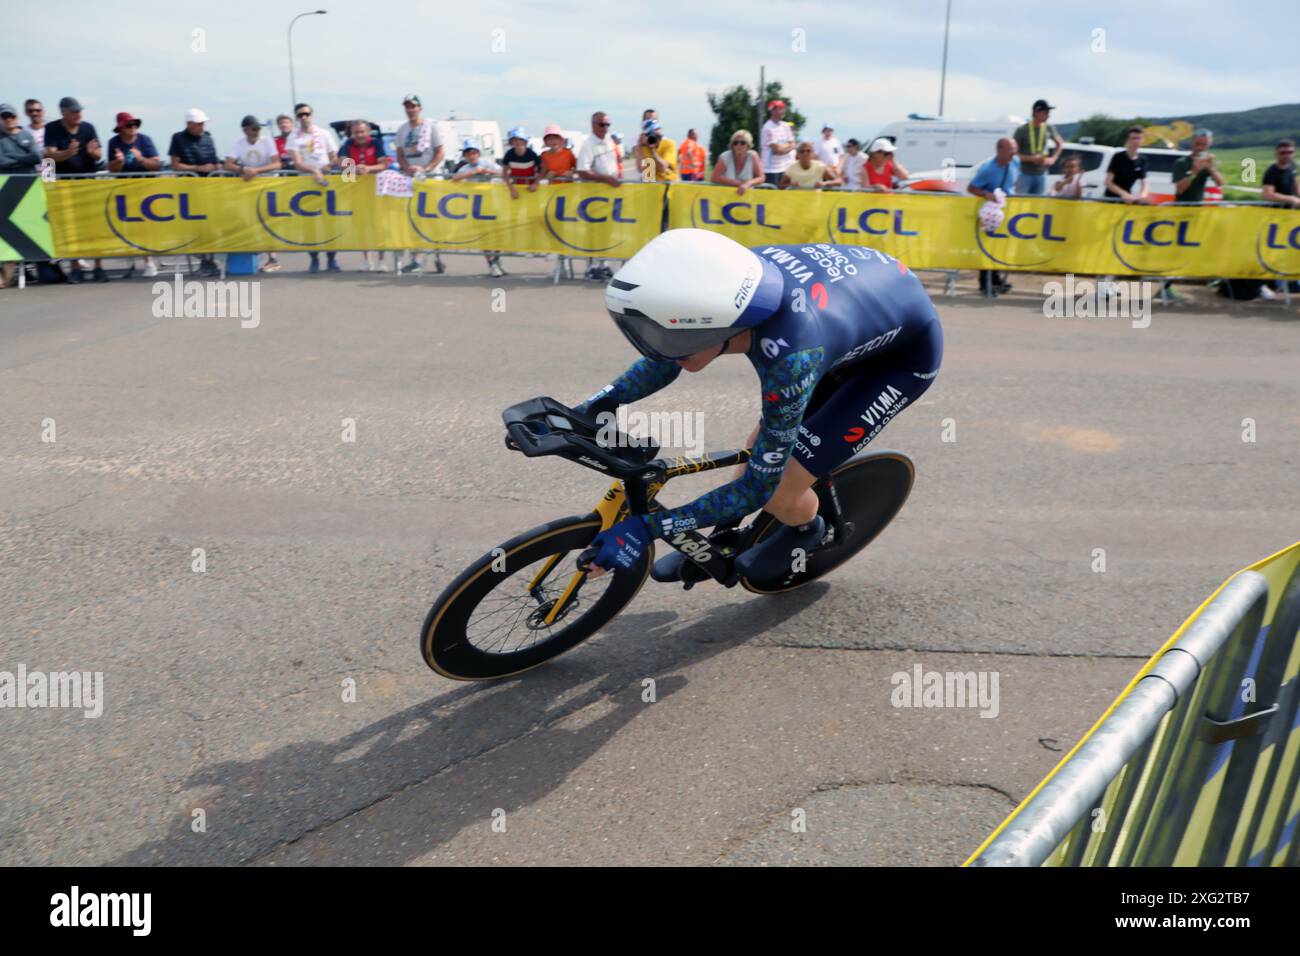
(931,144)
(486,134)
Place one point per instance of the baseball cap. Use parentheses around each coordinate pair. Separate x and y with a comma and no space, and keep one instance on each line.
(125,119)
(1043,105)
(249,120)
(880,143)
(773,104)
(70,103)
(651,126)
(8,108)
(826,126)
(411,98)
(196,115)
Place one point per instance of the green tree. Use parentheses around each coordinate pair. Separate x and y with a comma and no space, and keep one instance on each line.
(735,109)
(1106,130)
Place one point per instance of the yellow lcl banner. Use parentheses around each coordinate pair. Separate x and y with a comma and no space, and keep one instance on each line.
(1044,235)
(163,215)
(131,217)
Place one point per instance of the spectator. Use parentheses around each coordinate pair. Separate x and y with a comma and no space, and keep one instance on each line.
(650,114)
(655,154)
(1127,168)
(284,125)
(777,142)
(520,164)
(599,162)
(420,153)
(473,166)
(881,169)
(997,174)
(75,148)
(19,153)
(1280,188)
(692,159)
(829,150)
(1070,185)
(851,167)
(313,150)
(364,153)
(1191,173)
(192,150)
(1039,146)
(131,151)
(1280,178)
(36,121)
(558,162)
(739,165)
(249,156)
(806,172)
(617,137)
(72,144)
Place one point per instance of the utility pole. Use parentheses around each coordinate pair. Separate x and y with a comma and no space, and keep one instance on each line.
(943,75)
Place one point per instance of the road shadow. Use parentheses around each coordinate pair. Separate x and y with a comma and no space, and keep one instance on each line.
(502,745)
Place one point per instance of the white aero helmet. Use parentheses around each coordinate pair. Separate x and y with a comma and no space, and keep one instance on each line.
(690,289)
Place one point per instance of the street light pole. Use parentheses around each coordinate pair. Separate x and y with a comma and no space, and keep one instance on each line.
(293,90)
(943,76)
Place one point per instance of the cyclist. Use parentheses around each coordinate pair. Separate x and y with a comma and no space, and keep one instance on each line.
(842,338)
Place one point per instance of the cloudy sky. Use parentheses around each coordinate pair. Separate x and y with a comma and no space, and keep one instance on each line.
(857,64)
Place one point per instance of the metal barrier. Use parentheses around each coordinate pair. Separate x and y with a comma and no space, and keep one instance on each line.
(1180,770)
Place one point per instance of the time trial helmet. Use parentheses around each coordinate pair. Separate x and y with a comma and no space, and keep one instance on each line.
(690,289)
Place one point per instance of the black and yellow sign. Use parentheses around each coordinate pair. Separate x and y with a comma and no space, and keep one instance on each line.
(24,226)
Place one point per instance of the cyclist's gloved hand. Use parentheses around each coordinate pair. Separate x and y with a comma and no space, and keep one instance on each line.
(621,546)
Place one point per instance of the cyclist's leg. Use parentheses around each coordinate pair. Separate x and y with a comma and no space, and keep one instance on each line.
(867,402)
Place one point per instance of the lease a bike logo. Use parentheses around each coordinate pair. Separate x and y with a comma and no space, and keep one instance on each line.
(712,212)
(1024,239)
(845,224)
(302,217)
(1157,246)
(158,222)
(1277,246)
(582,223)
(438,216)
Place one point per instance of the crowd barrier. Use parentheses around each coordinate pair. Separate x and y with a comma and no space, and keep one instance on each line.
(124,216)
(1197,763)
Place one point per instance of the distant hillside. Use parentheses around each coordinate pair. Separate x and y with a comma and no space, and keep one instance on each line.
(1258,127)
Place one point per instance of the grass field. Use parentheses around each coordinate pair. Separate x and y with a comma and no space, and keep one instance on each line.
(1239,170)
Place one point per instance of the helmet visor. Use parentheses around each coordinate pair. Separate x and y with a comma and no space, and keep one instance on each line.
(665,345)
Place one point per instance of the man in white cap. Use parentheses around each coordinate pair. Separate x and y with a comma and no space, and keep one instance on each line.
(192,150)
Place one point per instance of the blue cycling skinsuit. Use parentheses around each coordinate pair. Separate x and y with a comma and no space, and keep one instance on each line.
(855,341)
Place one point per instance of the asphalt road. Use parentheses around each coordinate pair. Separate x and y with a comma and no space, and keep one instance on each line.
(225,736)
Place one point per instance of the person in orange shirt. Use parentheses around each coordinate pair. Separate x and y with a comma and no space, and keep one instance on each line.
(558,162)
(691,158)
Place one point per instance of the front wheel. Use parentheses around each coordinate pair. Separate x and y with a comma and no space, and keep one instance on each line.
(872,489)
(500,617)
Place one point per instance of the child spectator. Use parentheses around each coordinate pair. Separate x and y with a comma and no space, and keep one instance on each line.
(472,166)
(558,162)
(520,164)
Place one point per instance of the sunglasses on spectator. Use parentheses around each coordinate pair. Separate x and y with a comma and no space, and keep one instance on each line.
(8,115)
(1285,152)
(307,113)
(602,124)
(35,109)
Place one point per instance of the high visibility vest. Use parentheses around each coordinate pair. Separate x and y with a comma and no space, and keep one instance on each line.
(690,158)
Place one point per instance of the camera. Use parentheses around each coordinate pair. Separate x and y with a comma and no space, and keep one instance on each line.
(653,138)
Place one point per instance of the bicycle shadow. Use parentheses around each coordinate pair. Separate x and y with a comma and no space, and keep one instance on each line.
(426,773)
